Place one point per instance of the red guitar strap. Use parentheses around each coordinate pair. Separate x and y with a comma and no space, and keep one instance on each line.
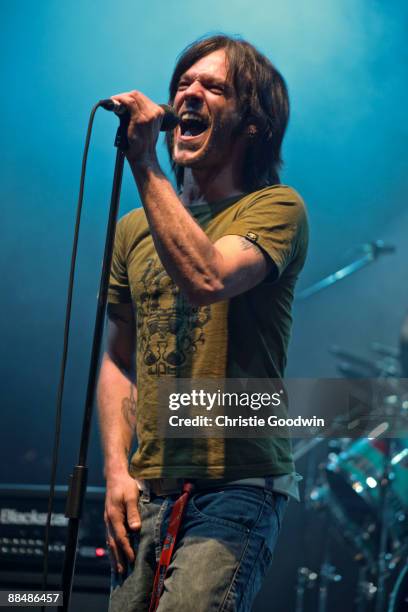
(168,545)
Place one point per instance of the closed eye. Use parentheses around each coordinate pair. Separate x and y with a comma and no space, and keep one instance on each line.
(217,89)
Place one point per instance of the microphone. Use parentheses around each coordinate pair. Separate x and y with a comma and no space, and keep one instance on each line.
(170,119)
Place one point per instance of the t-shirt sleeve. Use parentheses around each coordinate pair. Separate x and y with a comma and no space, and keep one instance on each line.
(275,219)
(119,291)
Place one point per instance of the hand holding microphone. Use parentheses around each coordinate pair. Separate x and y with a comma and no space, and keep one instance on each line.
(169,122)
(144,120)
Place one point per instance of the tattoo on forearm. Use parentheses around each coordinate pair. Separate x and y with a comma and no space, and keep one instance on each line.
(129,408)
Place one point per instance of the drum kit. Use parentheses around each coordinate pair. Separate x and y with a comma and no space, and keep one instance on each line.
(361,488)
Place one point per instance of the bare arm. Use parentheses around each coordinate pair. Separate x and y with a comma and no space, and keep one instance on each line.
(205,272)
(117,408)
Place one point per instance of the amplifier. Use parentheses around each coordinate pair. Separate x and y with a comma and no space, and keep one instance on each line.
(23,515)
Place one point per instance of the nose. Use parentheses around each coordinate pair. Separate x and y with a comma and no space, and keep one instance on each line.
(193,95)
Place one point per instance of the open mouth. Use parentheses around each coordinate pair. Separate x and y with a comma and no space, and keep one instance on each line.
(192,125)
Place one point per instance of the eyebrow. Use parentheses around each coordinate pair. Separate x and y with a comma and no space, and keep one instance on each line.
(206,76)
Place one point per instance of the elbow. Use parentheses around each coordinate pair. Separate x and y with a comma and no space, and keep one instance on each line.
(125,365)
(205,294)
(206,283)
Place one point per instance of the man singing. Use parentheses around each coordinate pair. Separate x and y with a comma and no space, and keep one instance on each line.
(202,284)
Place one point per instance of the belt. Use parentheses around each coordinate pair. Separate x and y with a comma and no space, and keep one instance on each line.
(173,486)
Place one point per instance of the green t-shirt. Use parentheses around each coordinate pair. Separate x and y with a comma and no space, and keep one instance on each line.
(242,337)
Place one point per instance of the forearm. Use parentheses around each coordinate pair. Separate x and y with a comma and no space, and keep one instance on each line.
(186,253)
(117,412)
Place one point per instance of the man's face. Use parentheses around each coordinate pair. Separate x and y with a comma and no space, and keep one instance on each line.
(206,103)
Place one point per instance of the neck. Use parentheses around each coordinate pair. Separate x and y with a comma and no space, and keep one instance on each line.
(209,185)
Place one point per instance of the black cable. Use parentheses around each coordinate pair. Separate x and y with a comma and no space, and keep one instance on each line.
(57,434)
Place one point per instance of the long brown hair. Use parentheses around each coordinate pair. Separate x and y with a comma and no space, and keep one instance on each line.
(262,101)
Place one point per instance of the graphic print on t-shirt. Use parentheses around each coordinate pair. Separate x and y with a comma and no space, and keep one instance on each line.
(169,329)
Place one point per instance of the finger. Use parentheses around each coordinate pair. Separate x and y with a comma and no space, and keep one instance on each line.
(131,99)
(117,559)
(132,513)
(121,541)
(117,538)
(140,105)
(125,97)
(123,102)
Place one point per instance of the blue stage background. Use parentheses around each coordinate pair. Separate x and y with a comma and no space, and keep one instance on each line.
(345,152)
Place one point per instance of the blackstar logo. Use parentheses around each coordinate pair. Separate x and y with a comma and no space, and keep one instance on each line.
(12,516)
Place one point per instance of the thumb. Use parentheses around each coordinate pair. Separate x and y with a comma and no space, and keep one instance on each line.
(132,513)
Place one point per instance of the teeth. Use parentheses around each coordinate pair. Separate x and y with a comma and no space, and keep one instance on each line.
(192,117)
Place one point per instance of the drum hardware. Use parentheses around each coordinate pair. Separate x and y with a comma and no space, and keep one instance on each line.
(359,542)
(394,560)
(366,591)
(370,253)
(384,514)
(375,471)
(386,351)
(350,489)
(403,347)
(367,366)
(328,574)
(306,579)
(355,366)
(399,594)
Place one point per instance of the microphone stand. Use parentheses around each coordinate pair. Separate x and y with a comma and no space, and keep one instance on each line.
(78,479)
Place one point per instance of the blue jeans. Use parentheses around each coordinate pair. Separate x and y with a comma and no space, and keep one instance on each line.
(223,551)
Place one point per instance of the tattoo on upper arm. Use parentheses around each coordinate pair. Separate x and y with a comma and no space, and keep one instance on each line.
(247,244)
(129,408)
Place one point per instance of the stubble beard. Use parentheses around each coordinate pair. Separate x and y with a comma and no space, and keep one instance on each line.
(215,148)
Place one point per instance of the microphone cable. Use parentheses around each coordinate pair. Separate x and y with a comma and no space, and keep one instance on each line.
(170,120)
(60,392)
